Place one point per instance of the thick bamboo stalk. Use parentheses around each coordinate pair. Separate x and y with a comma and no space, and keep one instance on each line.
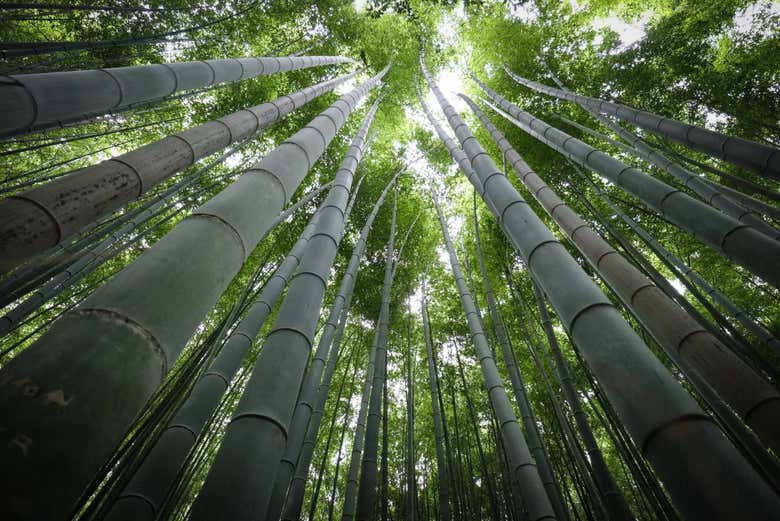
(366,495)
(523,467)
(762,159)
(97,366)
(442,477)
(240,482)
(518,386)
(754,399)
(144,494)
(724,234)
(614,501)
(711,192)
(44,216)
(332,334)
(685,445)
(34,101)
(308,391)
(751,324)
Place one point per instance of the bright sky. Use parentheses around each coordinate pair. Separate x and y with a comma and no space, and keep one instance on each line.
(629,33)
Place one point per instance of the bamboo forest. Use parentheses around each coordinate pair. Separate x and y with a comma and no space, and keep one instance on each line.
(371,260)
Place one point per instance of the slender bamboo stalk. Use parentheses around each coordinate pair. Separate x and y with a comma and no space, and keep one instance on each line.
(411,480)
(44,216)
(724,234)
(341,305)
(384,468)
(331,429)
(472,414)
(711,192)
(523,468)
(762,159)
(438,429)
(339,456)
(308,392)
(366,495)
(100,362)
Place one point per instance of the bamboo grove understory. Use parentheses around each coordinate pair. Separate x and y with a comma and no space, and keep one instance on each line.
(373,260)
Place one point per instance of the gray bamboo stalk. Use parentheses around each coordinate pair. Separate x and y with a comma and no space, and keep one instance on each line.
(523,467)
(472,414)
(142,497)
(241,480)
(385,467)
(731,420)
(339,457)
(368,467)
(535,443)
(358,442)
(94,370)
(314,501)
(34,101)
(44,216)
(455,508)
(612,497)
(50,261)
(411,480)
(744,184)
(754,399)
(762,159)
(329,337)
(688,449)
(534,345)
(751,324)
(438,428)
(308,392)
(724,234)
(747,201)
(99,253)
(716,195)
